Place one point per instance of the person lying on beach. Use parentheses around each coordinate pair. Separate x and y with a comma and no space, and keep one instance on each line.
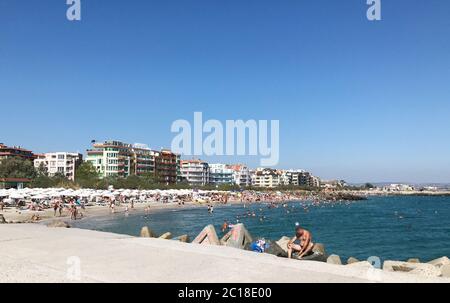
(301,245)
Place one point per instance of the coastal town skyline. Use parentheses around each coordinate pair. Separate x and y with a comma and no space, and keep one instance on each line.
(211,173)
(356,100)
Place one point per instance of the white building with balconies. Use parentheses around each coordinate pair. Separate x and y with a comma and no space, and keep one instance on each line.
(61,163)
(220,174)
(195,172)
(266,177)
(241,175)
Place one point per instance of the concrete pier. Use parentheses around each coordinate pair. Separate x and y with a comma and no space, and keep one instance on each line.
(36,253)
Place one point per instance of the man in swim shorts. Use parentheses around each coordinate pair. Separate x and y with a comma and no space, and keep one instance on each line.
(301,244)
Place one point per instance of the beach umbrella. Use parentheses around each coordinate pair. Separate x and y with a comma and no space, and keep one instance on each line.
(8,201)
(16,196)
(67,193)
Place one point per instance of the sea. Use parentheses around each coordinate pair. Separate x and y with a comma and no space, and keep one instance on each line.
(388,227)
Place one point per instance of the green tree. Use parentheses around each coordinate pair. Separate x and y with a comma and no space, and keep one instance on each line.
(42,170)
(87,175)
(17,168)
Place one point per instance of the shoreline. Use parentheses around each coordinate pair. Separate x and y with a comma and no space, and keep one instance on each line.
(15,216)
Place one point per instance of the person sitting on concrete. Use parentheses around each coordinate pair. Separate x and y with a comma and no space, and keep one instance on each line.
(301,245)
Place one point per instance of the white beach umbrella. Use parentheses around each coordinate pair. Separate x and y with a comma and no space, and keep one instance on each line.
(67,193)
(16,196)
(9,200)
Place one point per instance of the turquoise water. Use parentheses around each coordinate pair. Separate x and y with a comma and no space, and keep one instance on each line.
(388,227)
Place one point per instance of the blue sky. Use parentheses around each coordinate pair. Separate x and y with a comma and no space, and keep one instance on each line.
(358,100)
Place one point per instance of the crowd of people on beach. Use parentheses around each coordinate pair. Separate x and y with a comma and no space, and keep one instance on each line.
(72,206)
(73,203)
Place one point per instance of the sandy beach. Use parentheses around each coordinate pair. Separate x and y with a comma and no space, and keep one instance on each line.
(41,210)
(14,215)
(36,253)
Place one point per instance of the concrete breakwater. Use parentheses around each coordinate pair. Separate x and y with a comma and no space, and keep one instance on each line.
(37,253)
(239,237)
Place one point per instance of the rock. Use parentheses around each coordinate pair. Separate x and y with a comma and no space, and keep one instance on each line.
(352,260)
(147,232)
(445,271)
(399,266)
(207,236)
(166,236)
(319,249)
(237,237)
(440,262)
(2,220)
(58,223)
(413,260)
(361,264)
(334,259)
(282,243)
(318,254)
(183,238)
(423,269)
(275,249)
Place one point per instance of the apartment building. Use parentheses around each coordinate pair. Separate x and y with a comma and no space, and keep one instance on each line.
(167,166)
(308,180)
(59,163)
(111,158)
(195,172)
(7,152)
(143,160)
(15,151)
(299,178)
(220,174)
(241,175)
(118,159)
(266,177)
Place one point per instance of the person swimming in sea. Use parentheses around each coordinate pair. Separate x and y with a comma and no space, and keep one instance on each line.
(224,226)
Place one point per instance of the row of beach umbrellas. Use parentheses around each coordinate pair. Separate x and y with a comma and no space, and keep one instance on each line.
(48,193)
